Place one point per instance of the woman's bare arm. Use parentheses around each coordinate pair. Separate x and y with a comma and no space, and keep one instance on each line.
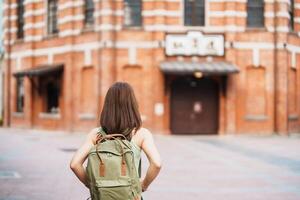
(153,156)
(80,156)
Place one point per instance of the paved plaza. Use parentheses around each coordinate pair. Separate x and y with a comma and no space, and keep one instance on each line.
(34,166)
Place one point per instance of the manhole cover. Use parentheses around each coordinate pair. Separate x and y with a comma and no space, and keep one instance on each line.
(9,174)
(68,149)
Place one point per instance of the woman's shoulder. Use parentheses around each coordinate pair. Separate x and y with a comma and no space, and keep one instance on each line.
(93,134)
(142,134)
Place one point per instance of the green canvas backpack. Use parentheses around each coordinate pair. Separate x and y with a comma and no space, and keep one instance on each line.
(111,170)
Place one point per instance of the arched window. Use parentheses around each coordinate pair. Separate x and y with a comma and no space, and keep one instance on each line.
(255,13)
(194,12)
(21,20)
(132,13)
(52,17)
(89,12)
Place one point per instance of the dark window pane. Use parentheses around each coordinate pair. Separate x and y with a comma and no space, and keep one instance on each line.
(89,12)
(255,13)
(20,95)
(292,15)
(20,22)
(52,16)
(194,12)
(133,15)
(52,97)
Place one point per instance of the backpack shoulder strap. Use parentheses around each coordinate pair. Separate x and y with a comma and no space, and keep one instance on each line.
(100,134)
(101,131)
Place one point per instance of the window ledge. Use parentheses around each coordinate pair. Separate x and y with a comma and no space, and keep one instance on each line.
(19,41)
(87,116)
(293,117)
(49,115)
(255,29)
(88,28)
(18,114)
(195,26)
(202,28)
(256,117)
(293,33)
(50,36)
(132,28)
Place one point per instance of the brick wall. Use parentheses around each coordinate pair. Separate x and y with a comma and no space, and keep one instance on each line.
(262,98)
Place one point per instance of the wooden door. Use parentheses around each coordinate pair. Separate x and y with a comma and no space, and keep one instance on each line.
(194,106)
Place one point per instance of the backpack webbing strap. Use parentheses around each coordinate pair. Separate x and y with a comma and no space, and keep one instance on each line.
(101,132)
(140,168)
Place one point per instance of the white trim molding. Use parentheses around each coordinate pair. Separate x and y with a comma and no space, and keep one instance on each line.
(69,32)
(34,25)
(30,13)
(161,12)
(283,29)
(251,45)
(256,57)
(70,4)
(87,57)
(108,27)
(11,30)
(227,13)
(279,1)
(70,18)
(270,14)
(108,12)
(12,18)
(85,46)
(297,19)
(30,38)
(32,1)
(132,55)
(44,115)
(11,6)
(234,1)
(86,116)
(179,29)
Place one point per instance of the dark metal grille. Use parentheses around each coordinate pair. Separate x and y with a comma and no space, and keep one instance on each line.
(52,17)
(292,14)
(255,13)
(89,12)
(21,20)
(194,12)
(133,15)
(20,95)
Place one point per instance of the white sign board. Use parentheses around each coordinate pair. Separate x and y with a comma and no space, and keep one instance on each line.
(195,43)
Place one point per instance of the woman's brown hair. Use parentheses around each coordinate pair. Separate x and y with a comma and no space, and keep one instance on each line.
(120,113)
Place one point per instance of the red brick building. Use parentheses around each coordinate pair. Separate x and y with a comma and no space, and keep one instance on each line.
(197,66)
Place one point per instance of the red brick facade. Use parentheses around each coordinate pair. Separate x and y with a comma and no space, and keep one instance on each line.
(262,98)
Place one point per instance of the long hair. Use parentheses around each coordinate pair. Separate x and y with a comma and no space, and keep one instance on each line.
(120,113)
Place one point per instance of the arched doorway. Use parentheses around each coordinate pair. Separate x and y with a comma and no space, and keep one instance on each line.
(194,106)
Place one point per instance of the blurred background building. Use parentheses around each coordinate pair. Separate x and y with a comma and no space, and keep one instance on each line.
(197,66)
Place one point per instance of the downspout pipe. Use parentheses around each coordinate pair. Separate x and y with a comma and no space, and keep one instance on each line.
(98,68)
(275,128)
(8,66)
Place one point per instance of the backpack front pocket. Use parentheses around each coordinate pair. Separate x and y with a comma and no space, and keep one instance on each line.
(115,189)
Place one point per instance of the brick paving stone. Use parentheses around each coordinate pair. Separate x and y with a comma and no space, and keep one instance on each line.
(194,167)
